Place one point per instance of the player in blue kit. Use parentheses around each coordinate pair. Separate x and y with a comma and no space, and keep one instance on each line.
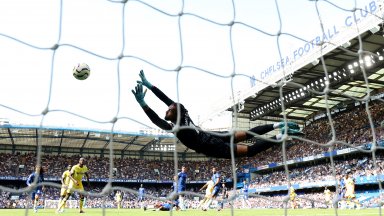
(36,178)
(141,196)
(212,145)
(182,186)
(163,206)
(245,191)
(216,178)
(175,189)
(224,195)
(141,193)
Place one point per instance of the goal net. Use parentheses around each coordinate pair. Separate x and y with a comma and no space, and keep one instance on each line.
(215,57)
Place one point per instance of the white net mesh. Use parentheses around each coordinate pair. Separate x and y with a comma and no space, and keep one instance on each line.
(201,53)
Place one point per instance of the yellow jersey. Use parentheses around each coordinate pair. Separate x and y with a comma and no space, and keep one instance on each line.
(327,194)
(292,190)
(292,193)
(66,177)
(118,197)
(79,172)
(210,187)
(350,185)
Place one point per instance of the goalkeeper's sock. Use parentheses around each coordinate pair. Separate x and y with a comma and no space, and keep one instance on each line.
(262,129)
(260,145)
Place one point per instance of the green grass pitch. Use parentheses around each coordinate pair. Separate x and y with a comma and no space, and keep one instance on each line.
(226,212)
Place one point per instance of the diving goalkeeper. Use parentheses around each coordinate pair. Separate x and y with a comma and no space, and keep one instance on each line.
(207,143)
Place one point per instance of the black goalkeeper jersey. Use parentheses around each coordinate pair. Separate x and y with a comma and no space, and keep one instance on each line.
(192,137)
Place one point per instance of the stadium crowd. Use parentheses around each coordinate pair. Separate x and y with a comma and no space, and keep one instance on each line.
(127,168)
(322,172)
(351,127)
(130,200)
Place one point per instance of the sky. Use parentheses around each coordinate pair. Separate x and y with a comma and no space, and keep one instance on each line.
(118,40)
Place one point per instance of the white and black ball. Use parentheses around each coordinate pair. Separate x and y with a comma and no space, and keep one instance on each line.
(81,71)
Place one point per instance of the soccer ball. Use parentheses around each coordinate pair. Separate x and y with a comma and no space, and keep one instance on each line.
(81,71)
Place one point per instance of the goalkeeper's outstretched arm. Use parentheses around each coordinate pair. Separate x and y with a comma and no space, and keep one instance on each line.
(139,95)
(159,94)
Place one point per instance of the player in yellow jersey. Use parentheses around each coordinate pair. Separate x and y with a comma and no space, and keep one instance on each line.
(292,197)
(65,179)
(208,194)
(350,190)
(118,198)
(77,173)
(327,197)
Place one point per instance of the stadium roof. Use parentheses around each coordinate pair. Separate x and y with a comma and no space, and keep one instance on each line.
(57,138)
(303,93)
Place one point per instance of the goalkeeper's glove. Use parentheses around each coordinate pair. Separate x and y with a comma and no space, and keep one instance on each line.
(291,125)
(144,80)
(291,131)
(139,94)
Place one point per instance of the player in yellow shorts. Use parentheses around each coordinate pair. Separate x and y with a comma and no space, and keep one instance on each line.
(350,190)
(327,197)
(118,198)
(292,197)
(208,194)
(76,175)
(65,179)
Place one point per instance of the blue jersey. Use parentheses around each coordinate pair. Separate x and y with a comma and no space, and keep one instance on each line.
(342,188)
(141,192)
(182,176)
(216,179)
(245,188)
(245,191)
(342,183)
(31,179)
(166,206)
